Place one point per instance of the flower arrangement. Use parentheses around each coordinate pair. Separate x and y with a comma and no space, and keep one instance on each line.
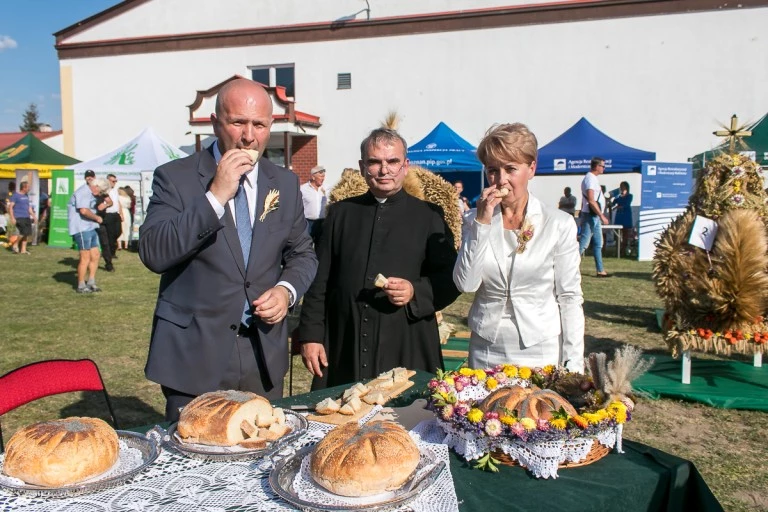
(524,236)
(456,397)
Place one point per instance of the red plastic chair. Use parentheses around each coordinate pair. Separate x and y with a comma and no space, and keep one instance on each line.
(44,378)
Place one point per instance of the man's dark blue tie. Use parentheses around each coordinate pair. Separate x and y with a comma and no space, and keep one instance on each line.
(245,233)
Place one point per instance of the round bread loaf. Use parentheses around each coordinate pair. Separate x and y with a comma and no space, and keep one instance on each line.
(217,418)
(530,402)
(61,452)
(361,461)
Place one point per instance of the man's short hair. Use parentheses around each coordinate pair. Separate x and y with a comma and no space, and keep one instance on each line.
(595,162)
(110,175)
(567,190)
(316,169)
(378,136)
(89,174)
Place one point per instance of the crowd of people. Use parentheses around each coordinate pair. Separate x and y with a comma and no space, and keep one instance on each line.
(99,217)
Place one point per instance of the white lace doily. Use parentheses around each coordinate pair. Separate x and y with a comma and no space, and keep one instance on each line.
(541,458)
(439,497)
(175,483)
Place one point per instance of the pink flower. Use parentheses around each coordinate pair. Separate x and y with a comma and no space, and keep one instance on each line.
(461,408)
(517,429)
(432,384)
(474,381)
(542,424)
(500,377)
(443,387)
(463,379)
(458,385)
(447,412)
(491,415)
(493,427)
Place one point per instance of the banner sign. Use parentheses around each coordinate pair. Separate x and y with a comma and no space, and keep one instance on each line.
(666,188)
(62,188)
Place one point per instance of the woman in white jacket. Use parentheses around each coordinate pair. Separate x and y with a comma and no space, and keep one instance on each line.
(521,257)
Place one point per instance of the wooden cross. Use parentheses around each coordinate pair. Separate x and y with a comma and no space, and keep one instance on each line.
(733,134)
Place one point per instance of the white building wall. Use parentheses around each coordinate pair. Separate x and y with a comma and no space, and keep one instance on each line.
(163,17)
(658,83)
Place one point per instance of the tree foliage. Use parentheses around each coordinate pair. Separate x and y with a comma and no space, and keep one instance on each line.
(31,119)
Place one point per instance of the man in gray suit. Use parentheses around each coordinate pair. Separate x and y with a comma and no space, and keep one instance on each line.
(228,234)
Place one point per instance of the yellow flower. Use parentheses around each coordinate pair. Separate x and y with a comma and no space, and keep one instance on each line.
(525,373)
(508,420)
(491,383)
(549,369)
(467,372)
(449,381)
(602,414)
(480,374)
(475,415)
(558,423)
(618,411)
(510,371)
(528,423)
(591,417)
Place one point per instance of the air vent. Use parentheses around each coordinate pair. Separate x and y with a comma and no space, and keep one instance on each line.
(344,81)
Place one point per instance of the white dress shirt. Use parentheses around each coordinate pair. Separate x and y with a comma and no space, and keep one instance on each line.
(115,197)
(314,200)
(250,185)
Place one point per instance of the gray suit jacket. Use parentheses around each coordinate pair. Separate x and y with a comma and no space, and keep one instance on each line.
(205,281)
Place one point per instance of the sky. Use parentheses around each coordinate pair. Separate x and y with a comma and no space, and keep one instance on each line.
(30,66)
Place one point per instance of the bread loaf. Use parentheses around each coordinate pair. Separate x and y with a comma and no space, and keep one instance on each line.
(224,418)
(354,460)
(61,452)
(530,402)
(254,154)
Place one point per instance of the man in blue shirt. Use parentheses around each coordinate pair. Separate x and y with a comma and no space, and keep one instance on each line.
(83,226)
(22,215)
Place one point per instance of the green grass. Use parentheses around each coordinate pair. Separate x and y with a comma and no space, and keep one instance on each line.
(43,318)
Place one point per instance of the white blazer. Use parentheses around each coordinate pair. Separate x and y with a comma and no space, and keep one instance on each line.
(544,283)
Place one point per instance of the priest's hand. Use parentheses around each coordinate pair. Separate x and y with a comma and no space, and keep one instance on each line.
(233,164)
(399,291)
(272,306)
(314,358)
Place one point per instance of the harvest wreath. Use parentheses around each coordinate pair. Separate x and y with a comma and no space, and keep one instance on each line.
(540,418)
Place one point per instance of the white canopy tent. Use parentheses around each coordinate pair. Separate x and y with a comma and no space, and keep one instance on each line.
(133,163)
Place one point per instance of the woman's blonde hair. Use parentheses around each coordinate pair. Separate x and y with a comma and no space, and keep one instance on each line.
(508,143)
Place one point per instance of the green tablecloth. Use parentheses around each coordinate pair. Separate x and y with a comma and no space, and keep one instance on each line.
(641,479)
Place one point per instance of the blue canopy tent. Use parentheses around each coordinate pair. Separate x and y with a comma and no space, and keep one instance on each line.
(571,152)
(445,153)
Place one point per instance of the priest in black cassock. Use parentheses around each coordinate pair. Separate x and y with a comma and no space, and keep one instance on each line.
(352,330)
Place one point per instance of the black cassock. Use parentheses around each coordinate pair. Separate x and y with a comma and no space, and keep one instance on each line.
(364,334)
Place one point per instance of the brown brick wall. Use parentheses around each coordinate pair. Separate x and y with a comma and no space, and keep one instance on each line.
(304,156)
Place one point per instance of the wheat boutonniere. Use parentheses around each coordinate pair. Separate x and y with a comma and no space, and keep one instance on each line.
(271,203)
(524,236)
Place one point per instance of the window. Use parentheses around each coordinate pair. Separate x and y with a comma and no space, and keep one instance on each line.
(277,75)
(344,81)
